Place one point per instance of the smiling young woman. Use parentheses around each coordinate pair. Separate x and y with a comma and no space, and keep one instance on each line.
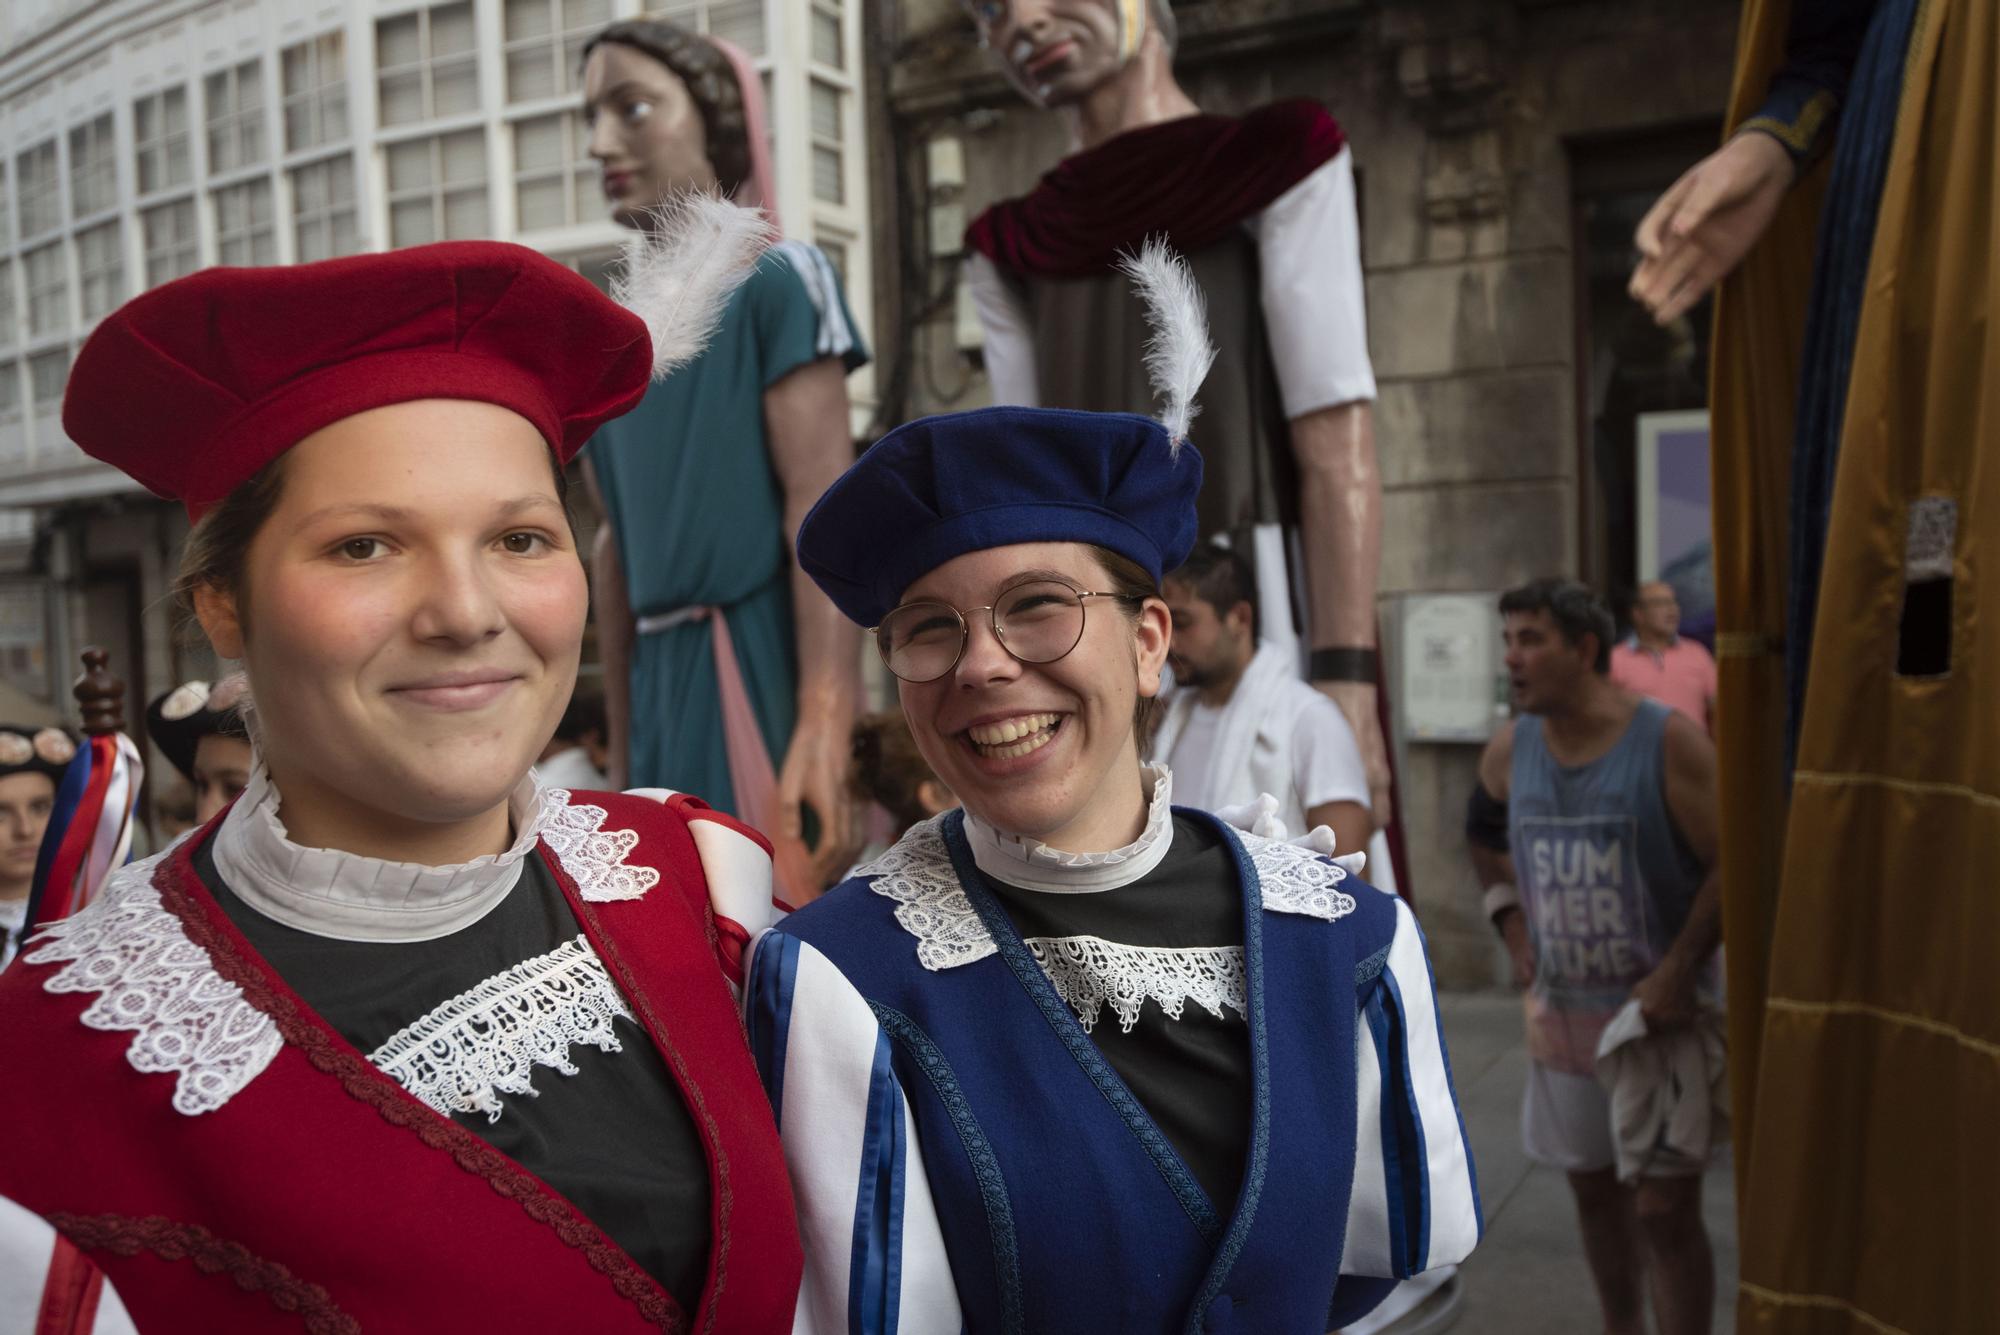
(400,1039)
(1267,1135)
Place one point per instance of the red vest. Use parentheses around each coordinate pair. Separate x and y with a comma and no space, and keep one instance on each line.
(322,1196)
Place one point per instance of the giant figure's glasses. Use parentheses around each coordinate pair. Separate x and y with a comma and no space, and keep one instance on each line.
(1036,622)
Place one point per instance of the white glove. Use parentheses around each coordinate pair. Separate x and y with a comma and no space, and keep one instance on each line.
(1261,819)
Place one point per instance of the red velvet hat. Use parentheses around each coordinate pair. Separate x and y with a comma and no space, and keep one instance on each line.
(194,386)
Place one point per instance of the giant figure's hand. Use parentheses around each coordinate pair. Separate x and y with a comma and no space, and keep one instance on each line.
(1357,701)
(1706,223)
(815,772)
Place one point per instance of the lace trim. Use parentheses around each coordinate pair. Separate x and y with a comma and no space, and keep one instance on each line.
(1088,971)
(187,1020)
(487,1041)
(1297,880)
(593,856)
(931,905)
(124,1235)
(329,1054)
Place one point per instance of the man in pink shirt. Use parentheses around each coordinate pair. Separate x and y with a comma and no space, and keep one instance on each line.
(1656,661)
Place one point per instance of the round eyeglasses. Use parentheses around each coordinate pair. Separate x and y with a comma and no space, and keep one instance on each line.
(1036,622)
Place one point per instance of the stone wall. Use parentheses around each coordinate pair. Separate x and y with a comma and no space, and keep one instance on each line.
(1465,119)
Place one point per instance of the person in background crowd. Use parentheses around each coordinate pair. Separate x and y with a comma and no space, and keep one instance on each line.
(1656,660)
(1240,723)
(1593,826)
(574,757)
(721,660)
(202,733)
(891,772)
(402,1040)
(31,766)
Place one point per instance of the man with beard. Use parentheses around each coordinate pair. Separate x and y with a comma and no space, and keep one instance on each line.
(1263,208)
(1240,724)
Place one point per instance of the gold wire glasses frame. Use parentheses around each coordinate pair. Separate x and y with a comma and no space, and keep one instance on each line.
(1036,622)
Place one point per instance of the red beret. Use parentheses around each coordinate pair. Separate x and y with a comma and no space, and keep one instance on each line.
(194,386)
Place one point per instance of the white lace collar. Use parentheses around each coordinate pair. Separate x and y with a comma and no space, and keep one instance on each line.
(932,906)
(349,897)
(1035,866)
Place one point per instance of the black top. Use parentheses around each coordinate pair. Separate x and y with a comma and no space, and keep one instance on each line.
(1192,1075)
(615,1138)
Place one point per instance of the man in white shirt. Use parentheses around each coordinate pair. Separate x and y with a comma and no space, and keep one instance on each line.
(1240,722)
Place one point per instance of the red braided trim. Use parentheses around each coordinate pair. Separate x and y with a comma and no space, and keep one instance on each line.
(124,1235)
(725,1192)
(180,890)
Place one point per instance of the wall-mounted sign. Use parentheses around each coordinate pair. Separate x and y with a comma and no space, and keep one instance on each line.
(1448,656)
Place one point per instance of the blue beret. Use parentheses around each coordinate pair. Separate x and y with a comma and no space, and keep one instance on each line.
(940,487)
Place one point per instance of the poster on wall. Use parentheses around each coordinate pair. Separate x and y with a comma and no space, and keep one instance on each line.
(1674,532)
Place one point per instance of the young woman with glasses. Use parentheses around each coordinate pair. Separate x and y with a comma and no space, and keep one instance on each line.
(1072,1059)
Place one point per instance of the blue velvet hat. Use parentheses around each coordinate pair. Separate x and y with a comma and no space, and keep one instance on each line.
(943,486)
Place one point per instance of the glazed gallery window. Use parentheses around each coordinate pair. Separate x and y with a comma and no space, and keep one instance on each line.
(160,141)
(39,189)
(427,66)
(244,232)
(738,21)
(315,79)
(544,44)
(437,189)
(47,374)
(233,100)
(829,162)
(555,181)
(168,233)
(100,268)
(323,222)
(46,278)
(93,168)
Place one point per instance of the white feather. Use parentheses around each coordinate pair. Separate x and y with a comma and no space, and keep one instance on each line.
(1178,354)
(681,269)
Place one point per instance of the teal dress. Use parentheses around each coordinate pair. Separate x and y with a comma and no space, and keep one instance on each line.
(699,516)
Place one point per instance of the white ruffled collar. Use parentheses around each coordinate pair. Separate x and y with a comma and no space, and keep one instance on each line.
(348,897)
(1033,865)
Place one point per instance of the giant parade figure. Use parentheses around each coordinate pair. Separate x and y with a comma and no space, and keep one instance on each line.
(719,657)
(1263,207)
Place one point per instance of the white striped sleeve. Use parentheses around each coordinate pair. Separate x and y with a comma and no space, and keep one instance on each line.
(1009,340)
(875,1261)
(835,337)
(27,1244)
(1415,1204)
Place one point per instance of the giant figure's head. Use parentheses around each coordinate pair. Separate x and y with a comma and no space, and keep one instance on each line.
(1056,52)
(666,113)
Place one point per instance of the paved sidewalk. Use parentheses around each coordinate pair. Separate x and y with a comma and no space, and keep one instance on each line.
(1528,1276)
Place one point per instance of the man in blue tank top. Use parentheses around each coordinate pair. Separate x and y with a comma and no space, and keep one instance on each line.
(1593,826)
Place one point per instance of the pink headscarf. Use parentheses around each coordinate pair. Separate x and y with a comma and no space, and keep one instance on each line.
(759,189)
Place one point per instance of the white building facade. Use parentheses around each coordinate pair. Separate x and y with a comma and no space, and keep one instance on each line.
(143,139)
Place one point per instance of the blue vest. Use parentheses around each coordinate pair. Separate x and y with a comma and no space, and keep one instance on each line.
(1062,1205)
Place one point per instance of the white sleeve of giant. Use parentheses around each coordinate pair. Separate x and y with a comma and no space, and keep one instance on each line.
(874,1254)
(1010,340)
(1309,253)
(26,1243)
(1415,1204)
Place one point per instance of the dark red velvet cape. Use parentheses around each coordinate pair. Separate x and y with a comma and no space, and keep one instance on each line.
(1189,180)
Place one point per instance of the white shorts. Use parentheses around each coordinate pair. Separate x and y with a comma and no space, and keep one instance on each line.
(1566,1121)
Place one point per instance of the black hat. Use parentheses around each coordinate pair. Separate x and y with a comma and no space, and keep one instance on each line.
(178,720)
(26,749)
